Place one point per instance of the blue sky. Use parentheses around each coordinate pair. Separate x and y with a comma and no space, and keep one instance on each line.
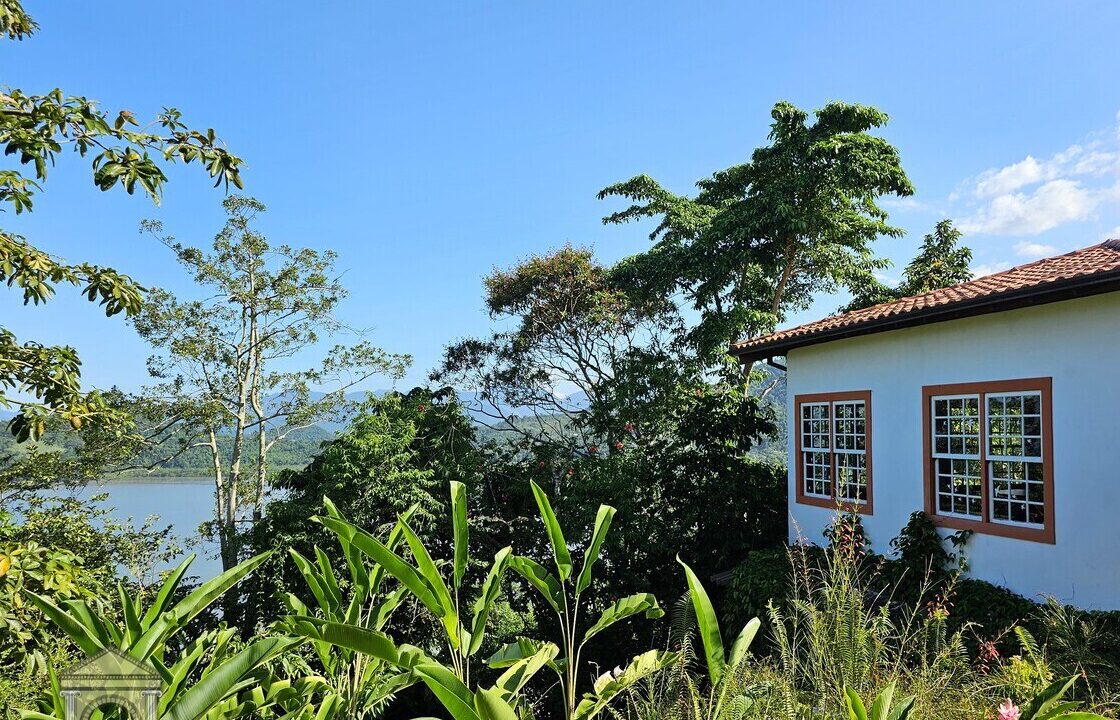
(429,142)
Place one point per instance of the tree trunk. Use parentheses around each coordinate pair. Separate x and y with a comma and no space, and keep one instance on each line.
(262,439)
(227,542)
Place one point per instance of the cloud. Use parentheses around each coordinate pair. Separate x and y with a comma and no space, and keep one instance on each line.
(1029,213)
(1033,250)
(1032,196)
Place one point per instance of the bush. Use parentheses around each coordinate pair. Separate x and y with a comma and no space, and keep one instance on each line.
(763,576)
(992,610)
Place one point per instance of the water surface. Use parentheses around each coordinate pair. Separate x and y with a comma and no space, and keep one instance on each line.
(182,503)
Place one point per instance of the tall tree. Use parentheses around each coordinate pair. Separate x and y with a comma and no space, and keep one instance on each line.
(760,239)
(40,380)
(570,333)
(942,261)
(224,365)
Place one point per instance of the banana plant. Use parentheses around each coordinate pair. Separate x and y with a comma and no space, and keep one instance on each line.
(452,685)
(425,580)
(207,675)
(354,685)
(563,592)
(881,709)
(1048,704)
(724,693)
(501,701)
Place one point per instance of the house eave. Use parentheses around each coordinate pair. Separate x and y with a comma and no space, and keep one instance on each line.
(1083,286)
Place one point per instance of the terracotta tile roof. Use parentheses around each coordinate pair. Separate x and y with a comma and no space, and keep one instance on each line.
(1082,272)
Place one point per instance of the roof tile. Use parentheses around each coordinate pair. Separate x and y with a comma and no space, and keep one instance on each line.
(1091,261)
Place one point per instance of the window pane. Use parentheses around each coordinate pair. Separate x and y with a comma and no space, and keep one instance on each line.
(817,472)
(849,427)
(1015,462)
(956,427)
(958,487)
(851,477)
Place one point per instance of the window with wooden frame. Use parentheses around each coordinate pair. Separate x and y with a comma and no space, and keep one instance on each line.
(833,450)
(989,457)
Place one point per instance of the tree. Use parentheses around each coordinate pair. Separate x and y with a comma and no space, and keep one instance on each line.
(542,380)
(395,456)
(40,380)
(265,307)
(940,262)
(760,239)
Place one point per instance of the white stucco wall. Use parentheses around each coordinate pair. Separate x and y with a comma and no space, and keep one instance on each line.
(1077,343)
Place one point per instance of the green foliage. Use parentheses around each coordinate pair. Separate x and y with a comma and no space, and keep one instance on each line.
(42,381)
(1048,704)
(760,239)
(219,369)
(63,549)
(563,593)
(725,697)
(883,708)
(940,262)
(392,457)
(30,567)
(424,581)
(570,328)
(209,672)
(762,577)
(355,684)
(991,608)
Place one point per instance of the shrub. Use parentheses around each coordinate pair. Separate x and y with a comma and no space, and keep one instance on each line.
(992,610)
(765,575)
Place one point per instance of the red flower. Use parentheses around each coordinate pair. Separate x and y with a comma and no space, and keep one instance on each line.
(629,427)
(423,407)
(699,392)
(593,449)
(617,444)
(540,464)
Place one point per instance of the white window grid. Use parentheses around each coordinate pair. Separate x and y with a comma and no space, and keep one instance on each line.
(816,444)
(1015,458)
(1013,454)
(837,429)
(849,426)
(956,452)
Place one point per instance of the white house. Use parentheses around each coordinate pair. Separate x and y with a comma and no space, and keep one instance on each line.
(989,405)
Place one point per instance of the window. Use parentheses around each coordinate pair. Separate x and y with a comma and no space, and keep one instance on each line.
(988,459)
(833,436)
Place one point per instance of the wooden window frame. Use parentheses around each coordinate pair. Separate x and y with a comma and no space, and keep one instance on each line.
(987,526)
(864,508)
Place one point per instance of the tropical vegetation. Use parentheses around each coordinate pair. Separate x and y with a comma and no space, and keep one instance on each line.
(567,520)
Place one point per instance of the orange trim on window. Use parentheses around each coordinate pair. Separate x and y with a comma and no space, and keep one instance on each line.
(865,508)
(987,526)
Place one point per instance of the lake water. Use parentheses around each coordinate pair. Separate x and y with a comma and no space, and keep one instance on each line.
(182,503)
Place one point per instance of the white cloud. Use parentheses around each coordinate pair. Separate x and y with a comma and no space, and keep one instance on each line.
(1007,179)
(1029,213)
(1032,196)
(1034,250)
